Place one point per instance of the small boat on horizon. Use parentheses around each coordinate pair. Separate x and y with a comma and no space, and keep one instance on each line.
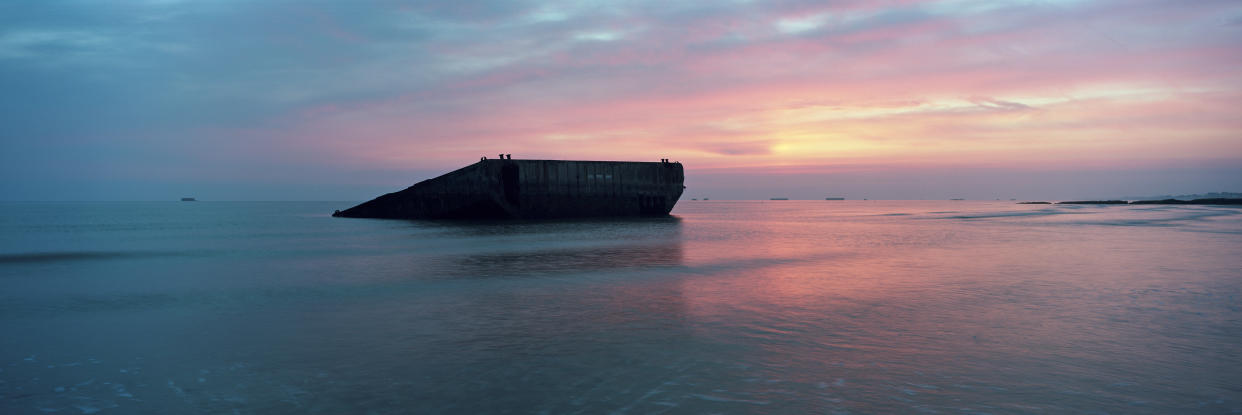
(779,198)
(188,199)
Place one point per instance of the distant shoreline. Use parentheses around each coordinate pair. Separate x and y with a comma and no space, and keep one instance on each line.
(1208,201)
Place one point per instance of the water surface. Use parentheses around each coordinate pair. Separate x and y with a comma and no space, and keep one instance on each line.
(727,307)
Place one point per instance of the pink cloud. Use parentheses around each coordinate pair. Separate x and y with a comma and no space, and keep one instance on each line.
(653,93)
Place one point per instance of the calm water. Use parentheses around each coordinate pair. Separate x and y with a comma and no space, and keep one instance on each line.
(729,307)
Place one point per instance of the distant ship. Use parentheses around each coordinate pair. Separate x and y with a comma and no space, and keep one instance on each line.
(779,198)
(535,189)
(188,199)
(834,198)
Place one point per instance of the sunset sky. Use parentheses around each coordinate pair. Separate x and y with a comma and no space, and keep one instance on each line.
(902,99)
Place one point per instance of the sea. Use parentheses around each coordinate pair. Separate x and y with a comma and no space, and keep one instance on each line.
(731,307)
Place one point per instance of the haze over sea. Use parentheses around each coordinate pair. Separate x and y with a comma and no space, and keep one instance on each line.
(727,307)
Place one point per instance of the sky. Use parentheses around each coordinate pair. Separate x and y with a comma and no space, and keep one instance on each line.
(345,100)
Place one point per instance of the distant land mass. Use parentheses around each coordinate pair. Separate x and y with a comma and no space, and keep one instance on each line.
(1213,198)
(1212,195)
(1202,201)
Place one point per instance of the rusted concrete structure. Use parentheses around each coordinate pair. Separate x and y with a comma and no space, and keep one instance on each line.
(535,189)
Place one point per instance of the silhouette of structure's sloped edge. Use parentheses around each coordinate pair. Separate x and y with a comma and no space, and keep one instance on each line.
(535,189)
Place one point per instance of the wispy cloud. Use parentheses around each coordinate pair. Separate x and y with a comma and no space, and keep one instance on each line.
(386,86)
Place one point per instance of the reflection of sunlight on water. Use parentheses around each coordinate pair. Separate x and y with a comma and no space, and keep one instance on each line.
(932,312)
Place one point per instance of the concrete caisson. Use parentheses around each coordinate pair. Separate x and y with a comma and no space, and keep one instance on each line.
(535,189)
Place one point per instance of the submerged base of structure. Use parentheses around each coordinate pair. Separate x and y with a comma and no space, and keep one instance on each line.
(535,189)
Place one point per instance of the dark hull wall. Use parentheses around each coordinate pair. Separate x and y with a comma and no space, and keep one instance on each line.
(535,189)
